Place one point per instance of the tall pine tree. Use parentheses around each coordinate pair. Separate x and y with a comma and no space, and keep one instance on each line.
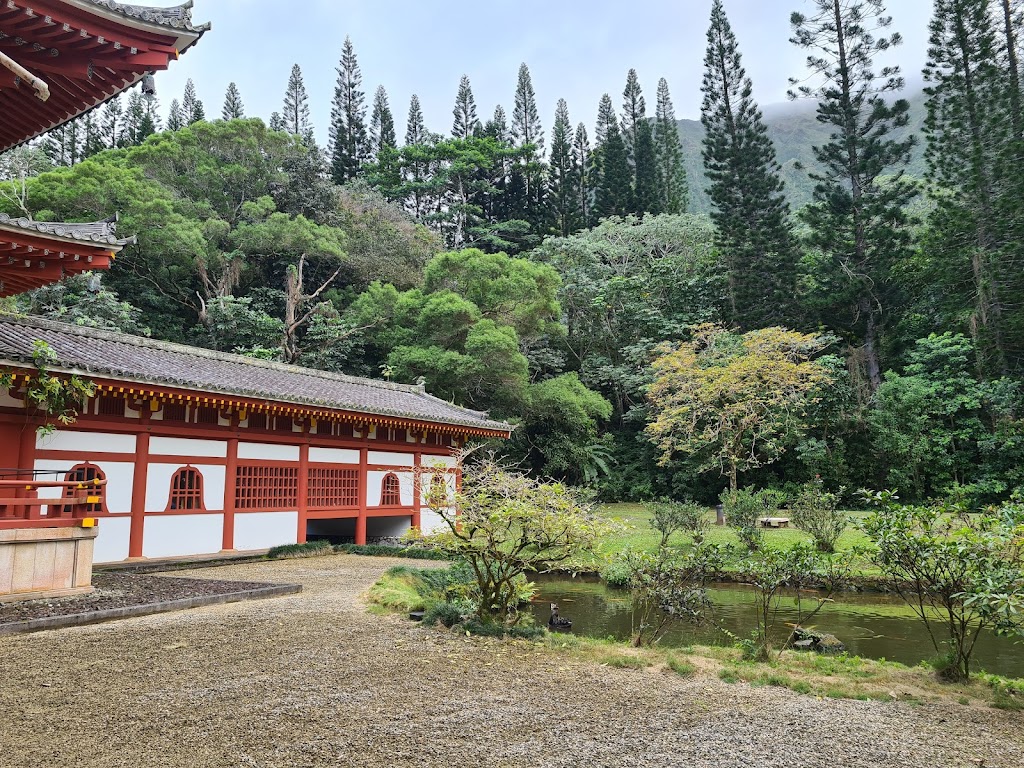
(634,112)
(295,109)
(858,216)
(526,131)
(613,187)
(382,124)
(563,175)
(174,119)
(233,107)
(974,162)
(192,110)
(669,153)
(349,142)
(465,123)
(748,203)
(583,162)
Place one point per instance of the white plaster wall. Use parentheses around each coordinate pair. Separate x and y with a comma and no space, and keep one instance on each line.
(390,458)
(373,487)
(120,475)
(112,540)
(334,455)
(182,446)
(268,452)
(261,530)
(158,485)
(176,535)
(88,442)
(431,522)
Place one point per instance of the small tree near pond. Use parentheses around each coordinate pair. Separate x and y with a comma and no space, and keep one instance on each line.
(505,524)
(961,573)
(668,517)
(810,575)
(744,509)
(668,588)
(817,512)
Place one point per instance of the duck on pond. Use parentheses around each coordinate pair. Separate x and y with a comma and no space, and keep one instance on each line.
(556,621)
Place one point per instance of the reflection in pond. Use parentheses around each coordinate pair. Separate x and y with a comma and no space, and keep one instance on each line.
(871,625)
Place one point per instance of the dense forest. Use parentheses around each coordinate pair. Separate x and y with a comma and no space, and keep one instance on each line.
(547,276)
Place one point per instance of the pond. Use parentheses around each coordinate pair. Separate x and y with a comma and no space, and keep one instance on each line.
(875,626)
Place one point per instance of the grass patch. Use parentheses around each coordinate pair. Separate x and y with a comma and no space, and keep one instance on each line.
(399,590)
(680,667)
(728,675)
(309,549)
(624,661)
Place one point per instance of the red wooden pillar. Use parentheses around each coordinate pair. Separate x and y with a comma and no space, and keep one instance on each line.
(27,462)
(141,478)
(364,483)
(417,495)
(303,490)
(230,479)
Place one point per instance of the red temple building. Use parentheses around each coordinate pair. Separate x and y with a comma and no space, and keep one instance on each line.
(181,451)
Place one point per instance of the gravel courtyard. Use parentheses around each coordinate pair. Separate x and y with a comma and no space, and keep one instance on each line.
(315,680)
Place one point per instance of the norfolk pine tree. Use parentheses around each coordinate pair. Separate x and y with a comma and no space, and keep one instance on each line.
(465,123)
(974,161)
(857,218)
(749,206)
(583,162)
(613,178)
(669,153)
(174,118)
(295,110)
(563,175)
(382,124)
(348,119)
(526,131)
(192,110)
(233,107)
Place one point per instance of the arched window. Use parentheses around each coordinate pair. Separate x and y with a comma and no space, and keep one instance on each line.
(438,490)
(84,477)
(390,491)
(186,489)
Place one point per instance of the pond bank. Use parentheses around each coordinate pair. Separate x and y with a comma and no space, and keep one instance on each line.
(315,679)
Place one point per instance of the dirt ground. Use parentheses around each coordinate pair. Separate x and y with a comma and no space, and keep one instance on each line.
(315,680)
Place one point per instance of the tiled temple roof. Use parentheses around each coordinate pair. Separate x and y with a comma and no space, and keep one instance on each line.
(99,232)
(122,357)
(179,17)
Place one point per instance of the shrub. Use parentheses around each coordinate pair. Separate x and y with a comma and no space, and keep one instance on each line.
(668,517)
(388,550)
(309,549)
(952,569)
(816,511)
(448,614)
(616,574)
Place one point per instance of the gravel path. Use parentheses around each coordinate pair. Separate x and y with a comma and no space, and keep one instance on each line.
(315,680)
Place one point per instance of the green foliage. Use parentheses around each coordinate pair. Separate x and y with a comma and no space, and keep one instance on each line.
(743,510)
(952,568)
(384,550)
(799,569)
(816,511)
(734,402)
(54,397)
(668,517)
(504,524)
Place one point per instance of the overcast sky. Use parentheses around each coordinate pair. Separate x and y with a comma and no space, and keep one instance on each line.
(575,50)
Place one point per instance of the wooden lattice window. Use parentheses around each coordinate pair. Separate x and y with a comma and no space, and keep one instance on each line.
(84,476)
(266,487)
(257,421)
(283,424)
(175,411)
(111,406)
(332,488)
(207,414)
(186,489)
(390,491)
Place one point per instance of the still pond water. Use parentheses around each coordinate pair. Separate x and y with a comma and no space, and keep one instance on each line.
(871,625)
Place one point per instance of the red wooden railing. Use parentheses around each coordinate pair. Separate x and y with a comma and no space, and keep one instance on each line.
(21,507)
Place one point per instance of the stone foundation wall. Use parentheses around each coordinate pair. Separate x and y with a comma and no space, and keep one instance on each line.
(45,562)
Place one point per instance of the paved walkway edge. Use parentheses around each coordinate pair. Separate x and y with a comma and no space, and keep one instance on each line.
(112,614)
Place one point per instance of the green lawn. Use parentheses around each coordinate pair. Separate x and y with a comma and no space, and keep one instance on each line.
(636,533)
